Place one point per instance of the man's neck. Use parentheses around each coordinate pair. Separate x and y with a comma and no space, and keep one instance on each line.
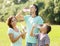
(33,15)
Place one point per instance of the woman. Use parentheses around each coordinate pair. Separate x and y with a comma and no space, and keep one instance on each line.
(31,20)
(13,32)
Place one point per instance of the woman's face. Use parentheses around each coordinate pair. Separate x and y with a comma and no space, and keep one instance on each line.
(13,22)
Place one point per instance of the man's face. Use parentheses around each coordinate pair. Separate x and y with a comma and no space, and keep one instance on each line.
(32,9)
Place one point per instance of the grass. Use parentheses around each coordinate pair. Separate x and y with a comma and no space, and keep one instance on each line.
(54,35)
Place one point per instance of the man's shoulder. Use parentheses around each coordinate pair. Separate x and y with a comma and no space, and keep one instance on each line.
(38,16)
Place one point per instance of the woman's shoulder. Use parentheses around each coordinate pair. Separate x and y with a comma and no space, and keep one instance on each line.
(10,30)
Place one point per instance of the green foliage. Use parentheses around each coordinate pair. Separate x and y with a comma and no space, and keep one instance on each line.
(5,41)
(49,10)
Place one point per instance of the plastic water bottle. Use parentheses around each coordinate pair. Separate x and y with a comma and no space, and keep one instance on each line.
(26,10)
(36,25)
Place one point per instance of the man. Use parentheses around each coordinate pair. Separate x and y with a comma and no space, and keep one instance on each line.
(31,20)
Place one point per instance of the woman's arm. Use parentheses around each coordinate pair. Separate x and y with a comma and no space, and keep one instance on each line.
(11,36)
(19,16)
(24,35)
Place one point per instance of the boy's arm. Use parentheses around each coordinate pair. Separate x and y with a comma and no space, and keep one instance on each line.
(47,41)
(31,33)
(46,45)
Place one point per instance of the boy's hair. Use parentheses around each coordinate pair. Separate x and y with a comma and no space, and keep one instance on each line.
(48,28)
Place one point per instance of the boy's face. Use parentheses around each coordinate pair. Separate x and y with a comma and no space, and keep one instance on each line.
(43,28)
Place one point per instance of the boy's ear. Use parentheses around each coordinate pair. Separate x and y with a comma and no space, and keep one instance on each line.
(47,23)
(41,25)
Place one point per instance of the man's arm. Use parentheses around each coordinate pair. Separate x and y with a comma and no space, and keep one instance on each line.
(19,16)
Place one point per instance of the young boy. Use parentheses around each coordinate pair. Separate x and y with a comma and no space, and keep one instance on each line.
(43,38)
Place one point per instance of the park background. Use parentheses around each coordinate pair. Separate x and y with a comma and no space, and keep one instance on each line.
(49,10)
